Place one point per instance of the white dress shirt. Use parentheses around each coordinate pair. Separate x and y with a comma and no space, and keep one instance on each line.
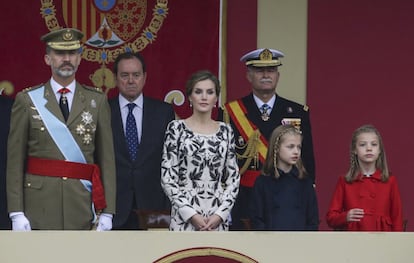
(123,104)
(260,103)
(56,87)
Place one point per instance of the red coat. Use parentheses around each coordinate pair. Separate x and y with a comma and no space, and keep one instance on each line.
(380,200)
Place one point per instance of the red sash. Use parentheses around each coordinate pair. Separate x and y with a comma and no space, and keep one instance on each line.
(60,168)
(237,112)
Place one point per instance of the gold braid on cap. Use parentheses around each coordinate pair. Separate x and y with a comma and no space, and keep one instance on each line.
(70,45)
(265,60)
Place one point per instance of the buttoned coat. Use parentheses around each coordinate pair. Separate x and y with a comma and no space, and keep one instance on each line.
(381,202)
(286,203)
(55,202)
(140,178)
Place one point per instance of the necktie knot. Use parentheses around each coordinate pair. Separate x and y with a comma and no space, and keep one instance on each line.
(131,107)
(64,90)
(265,108)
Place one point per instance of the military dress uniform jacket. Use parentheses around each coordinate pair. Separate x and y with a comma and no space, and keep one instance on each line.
(59,202)
(283,108)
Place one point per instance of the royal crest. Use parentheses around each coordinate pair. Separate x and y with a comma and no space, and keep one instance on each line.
(110,28)
(67,36)
(265,55)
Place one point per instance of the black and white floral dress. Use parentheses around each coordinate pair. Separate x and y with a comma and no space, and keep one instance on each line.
(199,174)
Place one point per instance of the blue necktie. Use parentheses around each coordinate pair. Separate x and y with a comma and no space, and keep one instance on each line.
(265,112)
(132,132)
(265,109)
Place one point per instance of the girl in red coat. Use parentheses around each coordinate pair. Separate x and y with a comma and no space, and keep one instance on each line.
(367,198)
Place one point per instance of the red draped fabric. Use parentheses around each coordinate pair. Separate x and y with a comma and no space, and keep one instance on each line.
(176,38)
(360,63)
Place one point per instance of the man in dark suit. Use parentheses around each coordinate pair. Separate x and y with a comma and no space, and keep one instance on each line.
(5,108)
(253,119)
(138,146)
(60,163)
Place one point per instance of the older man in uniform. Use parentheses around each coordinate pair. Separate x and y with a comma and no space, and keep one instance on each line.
(60,165)
(253,119)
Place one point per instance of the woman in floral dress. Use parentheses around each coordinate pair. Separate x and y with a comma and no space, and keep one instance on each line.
(200,175)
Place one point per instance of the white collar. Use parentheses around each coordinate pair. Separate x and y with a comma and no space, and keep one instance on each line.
(123,102)
(260,103)
(56,86)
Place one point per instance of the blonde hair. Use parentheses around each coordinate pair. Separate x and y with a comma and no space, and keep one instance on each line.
(272,157)
(380,163)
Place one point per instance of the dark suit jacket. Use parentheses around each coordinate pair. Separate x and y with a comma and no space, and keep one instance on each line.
(141,178)
(5,108)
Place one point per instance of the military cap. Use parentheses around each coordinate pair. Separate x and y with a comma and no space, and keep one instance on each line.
(263,57)
(63,39)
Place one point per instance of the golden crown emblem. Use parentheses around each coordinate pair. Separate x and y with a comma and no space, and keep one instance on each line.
(266,55)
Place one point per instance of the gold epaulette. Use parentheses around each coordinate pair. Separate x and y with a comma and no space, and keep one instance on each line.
(93,88)
(32,88)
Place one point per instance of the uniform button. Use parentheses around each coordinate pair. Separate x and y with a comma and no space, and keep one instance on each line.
(64,178)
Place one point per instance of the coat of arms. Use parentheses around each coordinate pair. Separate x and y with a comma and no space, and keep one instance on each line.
(111,27)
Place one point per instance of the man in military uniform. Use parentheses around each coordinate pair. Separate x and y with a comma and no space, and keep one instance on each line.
(60,165)
(253,119)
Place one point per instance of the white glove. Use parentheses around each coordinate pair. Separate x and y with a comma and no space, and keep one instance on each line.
(19,222)
(105,222)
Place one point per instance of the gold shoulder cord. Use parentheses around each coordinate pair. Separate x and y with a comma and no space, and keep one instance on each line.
(250,154)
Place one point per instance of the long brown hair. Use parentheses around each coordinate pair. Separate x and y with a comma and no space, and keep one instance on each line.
(380,163)
(272,157)
(200,76)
